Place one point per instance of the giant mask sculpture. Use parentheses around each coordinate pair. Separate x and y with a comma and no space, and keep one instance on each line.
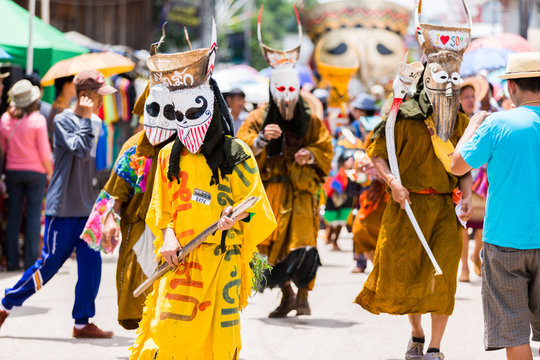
(444,47)
(337,78)
(186,76)
(284,83)
(364,31)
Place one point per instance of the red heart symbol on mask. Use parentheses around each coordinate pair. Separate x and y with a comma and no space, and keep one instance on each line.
(444,39)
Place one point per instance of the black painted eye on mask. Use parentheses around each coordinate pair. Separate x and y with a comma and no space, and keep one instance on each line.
(383,50)
(338,50)
(196,112)
(152,109)
(168,112)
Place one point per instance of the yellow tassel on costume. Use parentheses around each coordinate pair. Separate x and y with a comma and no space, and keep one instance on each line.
(443,150)
(143,332)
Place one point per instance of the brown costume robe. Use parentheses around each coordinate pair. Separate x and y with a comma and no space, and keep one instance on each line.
(403,280)
(367,223)
(291,188)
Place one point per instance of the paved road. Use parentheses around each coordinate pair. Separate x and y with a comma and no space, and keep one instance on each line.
(338,329)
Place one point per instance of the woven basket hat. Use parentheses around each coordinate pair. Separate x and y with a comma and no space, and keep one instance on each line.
(183,70)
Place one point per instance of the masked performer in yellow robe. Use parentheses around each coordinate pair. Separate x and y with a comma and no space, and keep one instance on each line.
(193,312)
(428,127)
(294,152)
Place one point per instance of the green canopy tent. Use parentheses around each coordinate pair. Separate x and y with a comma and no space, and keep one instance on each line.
(50,45)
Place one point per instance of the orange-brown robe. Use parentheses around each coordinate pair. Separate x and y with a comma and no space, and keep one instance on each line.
(367,222)
(291,188)
(403,280)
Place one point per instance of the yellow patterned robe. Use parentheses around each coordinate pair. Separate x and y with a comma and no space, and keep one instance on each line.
(193,312)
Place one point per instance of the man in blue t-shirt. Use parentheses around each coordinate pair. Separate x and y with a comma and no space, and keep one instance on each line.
(509,143)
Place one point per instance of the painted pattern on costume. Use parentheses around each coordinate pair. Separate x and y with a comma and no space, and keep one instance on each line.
(208,290)
(93,229)
(134,169)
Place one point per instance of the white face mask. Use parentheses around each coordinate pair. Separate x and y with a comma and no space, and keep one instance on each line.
(159,119)
(285,90)
(193,109)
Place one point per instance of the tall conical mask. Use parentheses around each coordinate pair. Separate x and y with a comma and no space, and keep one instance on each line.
(444,47)
(284,83)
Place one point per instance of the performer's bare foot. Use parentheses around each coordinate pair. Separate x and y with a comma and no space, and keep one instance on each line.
(477,264)
(464,277)
(288,303)
(328,235)
(358,270)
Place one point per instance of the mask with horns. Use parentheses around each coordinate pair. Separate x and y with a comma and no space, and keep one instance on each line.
(284,83)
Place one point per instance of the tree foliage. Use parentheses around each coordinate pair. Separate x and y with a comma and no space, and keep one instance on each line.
(278,19)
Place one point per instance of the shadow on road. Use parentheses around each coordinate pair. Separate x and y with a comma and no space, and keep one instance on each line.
(298,323)
(27,311)
(114,341)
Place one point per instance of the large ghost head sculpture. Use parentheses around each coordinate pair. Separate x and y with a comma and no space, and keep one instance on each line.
(284,82)
(369,33)
(186,76)
(444,47)
(159,119)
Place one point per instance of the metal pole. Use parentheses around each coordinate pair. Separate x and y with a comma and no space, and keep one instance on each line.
(248,8)
(30,48)
(207,9)
(45,11)
(525,6)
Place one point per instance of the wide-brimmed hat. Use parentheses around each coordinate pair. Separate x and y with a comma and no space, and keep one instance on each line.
(364,102)
(522,65)
(23,94)
(479,84)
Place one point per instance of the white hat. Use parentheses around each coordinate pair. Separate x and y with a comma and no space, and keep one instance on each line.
(23,94)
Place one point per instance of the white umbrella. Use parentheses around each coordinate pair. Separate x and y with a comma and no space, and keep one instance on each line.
(245,78)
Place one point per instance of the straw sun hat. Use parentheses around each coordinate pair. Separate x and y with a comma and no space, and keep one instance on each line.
(522,65)
(479,84)
(23,94)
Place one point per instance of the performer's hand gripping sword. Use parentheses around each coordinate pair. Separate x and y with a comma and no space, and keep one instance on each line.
(407,76)
(245,205)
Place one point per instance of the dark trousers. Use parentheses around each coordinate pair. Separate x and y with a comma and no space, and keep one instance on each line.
(21,186)
(62,236)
